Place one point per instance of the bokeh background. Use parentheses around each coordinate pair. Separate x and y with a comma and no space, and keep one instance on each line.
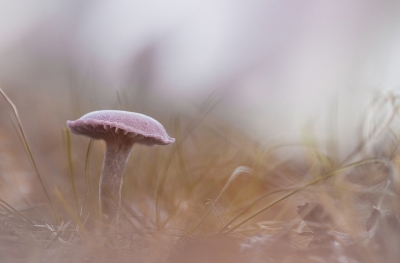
(273,62)
(269,67)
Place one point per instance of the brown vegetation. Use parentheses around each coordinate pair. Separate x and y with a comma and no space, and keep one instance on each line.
(216,195)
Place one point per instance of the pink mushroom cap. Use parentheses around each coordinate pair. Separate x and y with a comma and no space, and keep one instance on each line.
(104,124)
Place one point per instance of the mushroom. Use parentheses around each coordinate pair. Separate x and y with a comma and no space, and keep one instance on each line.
(120,130)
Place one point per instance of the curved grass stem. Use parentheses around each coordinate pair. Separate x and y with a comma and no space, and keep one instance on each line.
(323,177)
(203,111)
(236,172)
(30,155)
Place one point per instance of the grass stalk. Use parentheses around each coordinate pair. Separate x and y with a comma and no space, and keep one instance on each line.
(71,212)
(16,213)
(236,172)
(71,169)
(87,181)
(30,155)
(203,111)
(312,182)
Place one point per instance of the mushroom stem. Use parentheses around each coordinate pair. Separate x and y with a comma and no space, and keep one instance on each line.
(115,159)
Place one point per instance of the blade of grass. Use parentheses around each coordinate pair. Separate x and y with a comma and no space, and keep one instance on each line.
(203,111)
(16,213)
(249,206)
(121,105)
(71,169)
(235,173)
(312,182)
(89,192)
(30,155)
(71,212)
(375,132)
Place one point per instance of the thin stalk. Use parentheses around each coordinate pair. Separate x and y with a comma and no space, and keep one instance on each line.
(236,172)
(203,111)
(89,192)
(16,213)
(71,170)
(71,212)
(30,155)
(323,177)
(249,206)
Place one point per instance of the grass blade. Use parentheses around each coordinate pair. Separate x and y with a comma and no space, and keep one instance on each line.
(89,192)
(70,211)
(323,177)
(71,169)
(203,111)
(236,172)
(30,155)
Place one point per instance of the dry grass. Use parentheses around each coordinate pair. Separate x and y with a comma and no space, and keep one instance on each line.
(213,196)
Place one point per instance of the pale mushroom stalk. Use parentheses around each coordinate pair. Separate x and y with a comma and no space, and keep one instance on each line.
(111,179)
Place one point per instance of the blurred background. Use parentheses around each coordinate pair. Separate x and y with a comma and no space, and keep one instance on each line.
(272,63)
(269,67)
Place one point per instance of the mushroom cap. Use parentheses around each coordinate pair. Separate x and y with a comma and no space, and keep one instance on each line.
(107,124)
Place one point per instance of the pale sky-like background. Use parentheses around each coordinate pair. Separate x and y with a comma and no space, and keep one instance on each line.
(274,64)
